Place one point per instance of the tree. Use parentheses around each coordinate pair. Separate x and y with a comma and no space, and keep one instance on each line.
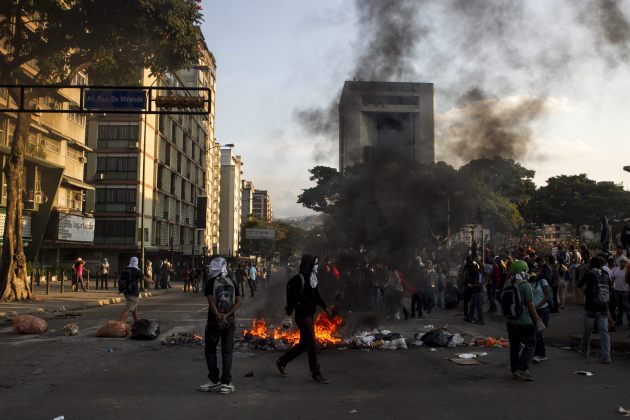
(577,200)
(262,247)
(111,41)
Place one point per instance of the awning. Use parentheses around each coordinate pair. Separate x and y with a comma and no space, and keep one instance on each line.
(76,183)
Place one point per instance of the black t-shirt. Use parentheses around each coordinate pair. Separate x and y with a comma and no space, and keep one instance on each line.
(209,288)
(589,280)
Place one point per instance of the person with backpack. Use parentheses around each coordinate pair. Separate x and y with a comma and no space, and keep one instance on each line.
(597,291)
(129,285)
(542,294)
(224,299)
(517,305)
(475,285)
(302,300)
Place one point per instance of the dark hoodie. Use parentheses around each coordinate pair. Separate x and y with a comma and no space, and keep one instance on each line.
(606,234)
(301,297)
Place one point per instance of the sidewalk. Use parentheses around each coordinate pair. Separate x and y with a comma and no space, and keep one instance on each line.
(56,302)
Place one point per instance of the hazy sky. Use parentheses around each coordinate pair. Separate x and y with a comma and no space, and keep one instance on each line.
(275,57)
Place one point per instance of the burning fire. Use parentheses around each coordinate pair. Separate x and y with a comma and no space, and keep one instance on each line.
(325,330)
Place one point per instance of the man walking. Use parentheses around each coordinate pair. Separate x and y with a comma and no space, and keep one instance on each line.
(224,299)
(102,274)
(302,299)
(129,285)
(522,320)
(251,278)
(622,306)
(597,291)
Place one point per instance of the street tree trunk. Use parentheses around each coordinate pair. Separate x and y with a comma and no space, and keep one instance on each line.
(13,281)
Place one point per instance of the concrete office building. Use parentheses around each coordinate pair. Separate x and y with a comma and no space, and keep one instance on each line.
(231,202)
(261,207)
(247,206)
(394,115)
(180,164)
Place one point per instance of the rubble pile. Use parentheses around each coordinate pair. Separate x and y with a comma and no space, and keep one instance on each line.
(183,339)
(377,339)
(439,337)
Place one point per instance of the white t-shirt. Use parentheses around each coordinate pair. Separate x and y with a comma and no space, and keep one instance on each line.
(619,278)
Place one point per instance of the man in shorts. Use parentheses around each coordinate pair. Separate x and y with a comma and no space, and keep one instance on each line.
(129,285)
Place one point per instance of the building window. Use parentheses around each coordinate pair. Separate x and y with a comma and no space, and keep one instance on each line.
(173,182)
(75,154)
(174,133)
(116,136)
(167,155)
(160,176)
(163,124)
(179,162)
(2,133)
(116,199)
(118,167)
(77,118)
(79,80)
(115,232)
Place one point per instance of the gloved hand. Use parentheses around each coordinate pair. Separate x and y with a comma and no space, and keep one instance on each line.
(540,326)
(287,322)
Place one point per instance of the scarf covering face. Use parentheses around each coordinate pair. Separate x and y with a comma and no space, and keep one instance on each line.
(133,262)
(218,267)
(313,280)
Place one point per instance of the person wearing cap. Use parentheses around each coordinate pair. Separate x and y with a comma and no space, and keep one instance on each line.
(133,275)
(621,290)
(523,328)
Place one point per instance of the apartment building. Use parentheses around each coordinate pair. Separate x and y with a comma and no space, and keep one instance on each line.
(261,205)
(247,206)
(177,157)
(231,202)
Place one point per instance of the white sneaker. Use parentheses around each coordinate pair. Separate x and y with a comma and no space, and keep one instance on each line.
(227,389)
(210,387)
(536,359)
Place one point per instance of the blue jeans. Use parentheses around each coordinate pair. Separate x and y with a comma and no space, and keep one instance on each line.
(374,296)
(601,318)
(540,341)
(492,293)
(476,305)
(622,306)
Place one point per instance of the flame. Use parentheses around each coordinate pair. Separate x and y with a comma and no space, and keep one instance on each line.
(325,330)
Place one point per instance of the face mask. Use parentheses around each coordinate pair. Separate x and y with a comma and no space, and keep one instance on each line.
(315,268)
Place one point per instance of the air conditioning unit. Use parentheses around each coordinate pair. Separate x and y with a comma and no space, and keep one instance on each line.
(100,176)
(82,159)
(136,145)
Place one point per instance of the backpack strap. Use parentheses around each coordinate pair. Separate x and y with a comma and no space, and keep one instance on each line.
(301,283)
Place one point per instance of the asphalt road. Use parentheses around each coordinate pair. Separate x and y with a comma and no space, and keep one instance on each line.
(84,377)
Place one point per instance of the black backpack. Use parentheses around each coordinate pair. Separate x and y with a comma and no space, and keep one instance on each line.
(124,281)
(511,301)
(601,289)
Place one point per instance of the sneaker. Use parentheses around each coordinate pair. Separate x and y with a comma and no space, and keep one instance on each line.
(227,389)
(468,319)
(524,375)
(320,379)
(606,361)
(514,375)
(210,387)
(536,359)
(281,368)
(480,323)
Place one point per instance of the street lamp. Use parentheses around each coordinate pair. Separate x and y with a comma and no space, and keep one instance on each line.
(448,215)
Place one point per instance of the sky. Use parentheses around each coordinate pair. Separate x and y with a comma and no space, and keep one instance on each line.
(276,57)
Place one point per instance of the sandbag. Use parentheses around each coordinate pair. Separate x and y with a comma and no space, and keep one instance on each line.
(114,329)
(71,329)
(29,324)
(143,329)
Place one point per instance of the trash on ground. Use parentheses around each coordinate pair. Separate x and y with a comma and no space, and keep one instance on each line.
(143,329)
(354,411)
(429,327)
(110,350)
(566,348)
(440,337)
(471,355)
(584,373)
(623,411)
(59,418)
(71,329)
(183,339)
(492,342)
(249,374)
(464,362)
(433,349)
(29,324)
(114,329)
(377,339)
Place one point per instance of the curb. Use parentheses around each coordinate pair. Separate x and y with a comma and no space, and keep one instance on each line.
(83,305)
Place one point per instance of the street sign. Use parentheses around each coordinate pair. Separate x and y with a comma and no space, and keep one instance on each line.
(115,99)
(260,234)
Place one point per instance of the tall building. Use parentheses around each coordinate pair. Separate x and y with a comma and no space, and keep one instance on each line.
(247,207)
(394,115)
(261,207)
(176,156)
(231,202)
(57,222)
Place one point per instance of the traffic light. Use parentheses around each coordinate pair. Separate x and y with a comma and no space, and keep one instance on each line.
(180,101)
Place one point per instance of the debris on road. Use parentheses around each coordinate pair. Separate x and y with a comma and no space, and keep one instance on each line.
(492,342)
(114,329)
(179,339)
(464,362)
(272,337)
(143,329)
(29,324)
(584,373)
(377,339)
(471,355)
(439,337)
(354,411)
(623,411)
(249,374)
(71,329)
